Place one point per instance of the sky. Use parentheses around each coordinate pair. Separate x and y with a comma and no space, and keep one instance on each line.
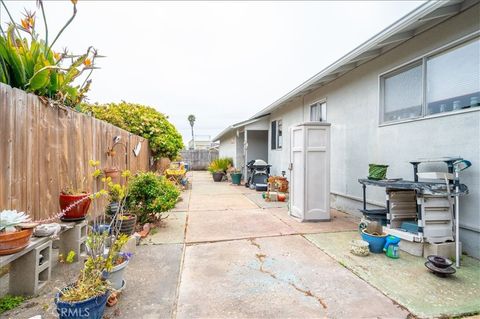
(221,61)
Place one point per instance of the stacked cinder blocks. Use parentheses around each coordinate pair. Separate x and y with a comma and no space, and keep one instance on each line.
(30,272)
(74,239)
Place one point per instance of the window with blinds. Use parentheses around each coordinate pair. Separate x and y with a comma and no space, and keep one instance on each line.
(402,94)
(453,79)
(318,112)
(445,82)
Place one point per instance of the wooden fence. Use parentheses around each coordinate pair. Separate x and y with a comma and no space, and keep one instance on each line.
(44,149)
(198,159)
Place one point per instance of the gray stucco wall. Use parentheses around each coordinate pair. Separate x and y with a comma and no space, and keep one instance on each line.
(358,139)
(257,145)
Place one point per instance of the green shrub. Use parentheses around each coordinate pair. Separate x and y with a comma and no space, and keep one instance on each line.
(221,164)
(149,195)
(9,302)
(162,136)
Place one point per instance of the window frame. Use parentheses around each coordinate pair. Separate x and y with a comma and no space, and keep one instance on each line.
(272,133)
(421,60)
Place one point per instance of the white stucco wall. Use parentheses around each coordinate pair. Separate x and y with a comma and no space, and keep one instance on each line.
(357,138)
(227,147)
(239,161)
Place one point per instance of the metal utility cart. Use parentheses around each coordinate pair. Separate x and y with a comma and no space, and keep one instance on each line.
(420,211)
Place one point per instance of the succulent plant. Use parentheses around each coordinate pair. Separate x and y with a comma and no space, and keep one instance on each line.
(11,218)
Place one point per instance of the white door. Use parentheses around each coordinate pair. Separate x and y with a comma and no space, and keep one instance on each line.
(317,173)
(297,168)
(310,171)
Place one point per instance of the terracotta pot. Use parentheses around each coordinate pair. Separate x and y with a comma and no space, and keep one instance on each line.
(13,242)
(127,226)
(79,211)
(111,172)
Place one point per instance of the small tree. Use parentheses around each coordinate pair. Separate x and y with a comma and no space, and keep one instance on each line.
(191,119)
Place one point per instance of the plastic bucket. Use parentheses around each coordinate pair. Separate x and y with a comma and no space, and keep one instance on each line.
(91,308)
(375,242)
(236,178)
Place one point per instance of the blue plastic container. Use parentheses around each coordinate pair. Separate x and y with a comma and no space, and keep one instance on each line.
(410,226)
(101,228)
(92,308)
(376,243)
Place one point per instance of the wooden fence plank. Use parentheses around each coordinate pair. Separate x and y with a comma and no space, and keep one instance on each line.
(43,161)
(4,144)
(19,147)
(45,149)
(33,200)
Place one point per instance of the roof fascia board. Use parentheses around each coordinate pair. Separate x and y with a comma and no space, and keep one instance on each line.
(238,125)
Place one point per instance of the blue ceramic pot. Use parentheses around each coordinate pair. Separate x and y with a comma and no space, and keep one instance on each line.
(375,242)
(91,308)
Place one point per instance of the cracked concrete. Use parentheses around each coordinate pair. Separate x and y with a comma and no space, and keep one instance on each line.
(220,255)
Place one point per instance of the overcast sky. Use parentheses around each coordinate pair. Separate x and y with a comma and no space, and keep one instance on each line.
(221,61)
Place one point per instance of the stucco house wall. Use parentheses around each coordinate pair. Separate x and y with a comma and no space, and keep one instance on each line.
(227,147)
(358,139)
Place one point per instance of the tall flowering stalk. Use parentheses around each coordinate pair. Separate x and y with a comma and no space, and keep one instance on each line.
(29,62)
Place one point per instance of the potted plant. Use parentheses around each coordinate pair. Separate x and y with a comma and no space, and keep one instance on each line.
(236,176)
(125,223)
(116,192)
(218,175)
(112,172)
(87,296)
(74,204)
(15,233)
(218,167)
(119,263)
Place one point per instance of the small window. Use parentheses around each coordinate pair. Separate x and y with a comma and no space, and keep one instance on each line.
(402,94)
(453,79)
(276,134)
(279,134)
(318,112)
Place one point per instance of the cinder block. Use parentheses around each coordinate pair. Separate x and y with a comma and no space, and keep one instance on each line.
(412,248)
(74,240)
(31,272)
(444,249)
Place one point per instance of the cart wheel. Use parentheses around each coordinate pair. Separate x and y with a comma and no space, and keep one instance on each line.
(362,226)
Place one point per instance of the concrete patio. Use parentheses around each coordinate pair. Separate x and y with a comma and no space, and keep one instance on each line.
(224,253)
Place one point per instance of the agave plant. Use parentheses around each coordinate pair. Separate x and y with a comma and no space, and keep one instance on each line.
(29,63)
(11,218)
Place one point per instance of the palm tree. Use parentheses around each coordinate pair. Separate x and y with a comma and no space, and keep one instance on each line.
(191,119)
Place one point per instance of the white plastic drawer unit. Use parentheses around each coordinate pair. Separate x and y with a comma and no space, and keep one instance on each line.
(310,171)
(436,202)
(439,230)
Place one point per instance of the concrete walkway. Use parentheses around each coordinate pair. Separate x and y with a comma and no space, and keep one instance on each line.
(243,259)
(225,253)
